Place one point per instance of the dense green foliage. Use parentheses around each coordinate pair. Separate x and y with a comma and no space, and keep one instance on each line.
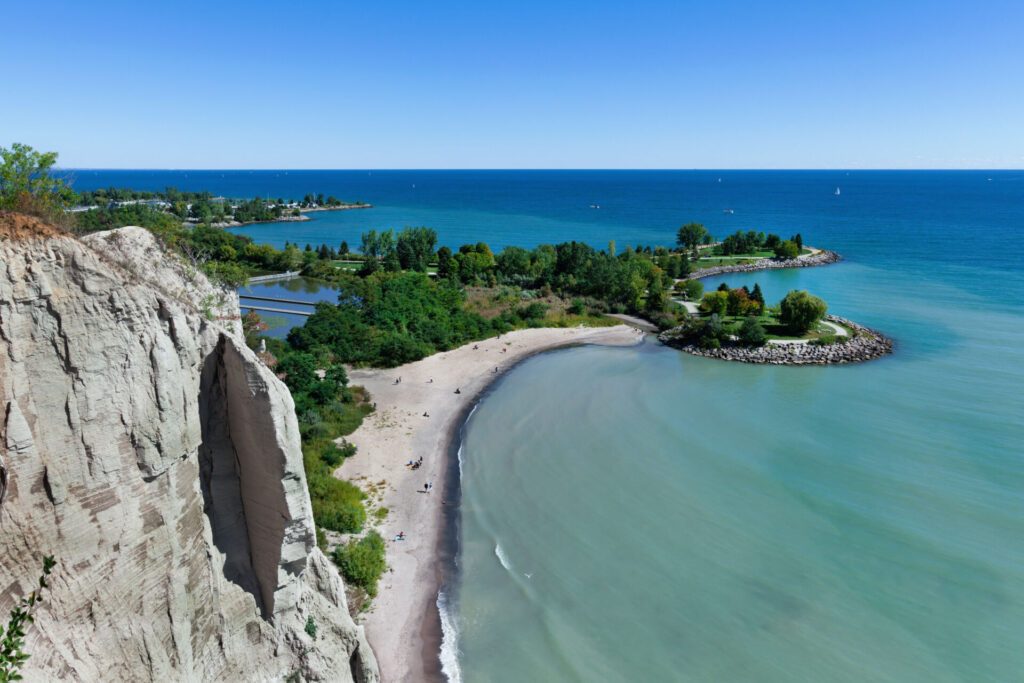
(388,319)
(12,637)
(26,183)
(787,250)
(799,311)
(745,242)
(692,235)
(751,332)
(734,302)
(692,290)
(327,410)
(362,562)
(415,248)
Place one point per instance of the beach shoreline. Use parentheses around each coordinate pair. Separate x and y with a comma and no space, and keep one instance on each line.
(422,416)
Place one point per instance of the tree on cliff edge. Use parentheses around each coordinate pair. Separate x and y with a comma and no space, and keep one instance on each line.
(27,186)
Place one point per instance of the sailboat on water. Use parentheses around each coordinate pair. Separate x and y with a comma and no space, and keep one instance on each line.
(837,191)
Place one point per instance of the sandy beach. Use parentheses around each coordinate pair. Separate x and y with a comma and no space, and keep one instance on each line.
(418,418)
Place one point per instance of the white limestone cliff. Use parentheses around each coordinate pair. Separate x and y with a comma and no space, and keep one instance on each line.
(147,448)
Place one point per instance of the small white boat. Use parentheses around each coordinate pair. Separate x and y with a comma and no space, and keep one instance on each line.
(595,206)
(728,211)
(837,191)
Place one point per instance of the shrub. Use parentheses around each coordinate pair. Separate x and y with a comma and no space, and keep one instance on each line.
(311,627)
(825,340)
(751,332)
(662,320)
(577,307)
(337,504)
(534,311)
(362,561)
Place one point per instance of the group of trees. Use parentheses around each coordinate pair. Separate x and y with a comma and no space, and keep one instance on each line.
(735,302)
(198,207)
(310,201)
(748,242)
(411,249)
(386,319)
(740,314)
(692,235)
(631,280)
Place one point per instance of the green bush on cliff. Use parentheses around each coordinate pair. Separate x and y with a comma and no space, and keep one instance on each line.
(362,561)
(12,636)
(337,504)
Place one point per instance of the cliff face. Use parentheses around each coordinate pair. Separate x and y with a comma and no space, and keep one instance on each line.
(146,447)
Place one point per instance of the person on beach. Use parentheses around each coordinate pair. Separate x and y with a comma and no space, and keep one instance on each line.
(475,347)
(426,414)
(458,391)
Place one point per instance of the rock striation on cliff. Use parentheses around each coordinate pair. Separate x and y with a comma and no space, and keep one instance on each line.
(146,447)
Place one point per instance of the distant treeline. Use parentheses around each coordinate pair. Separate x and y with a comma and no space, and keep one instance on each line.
(113,204)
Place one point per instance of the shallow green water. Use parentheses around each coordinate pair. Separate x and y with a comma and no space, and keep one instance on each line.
(664,517)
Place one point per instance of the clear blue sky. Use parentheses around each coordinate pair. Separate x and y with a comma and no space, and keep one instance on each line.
(528,84)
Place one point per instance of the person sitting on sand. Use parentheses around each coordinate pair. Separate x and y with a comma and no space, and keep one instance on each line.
(457,391)
(400,536)
(426,414)
(475,347)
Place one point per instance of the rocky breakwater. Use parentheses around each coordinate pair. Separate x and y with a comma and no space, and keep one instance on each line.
(146,448)
(863,345)
(821,258)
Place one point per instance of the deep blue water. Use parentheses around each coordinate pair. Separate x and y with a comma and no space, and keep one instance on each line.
(907,218)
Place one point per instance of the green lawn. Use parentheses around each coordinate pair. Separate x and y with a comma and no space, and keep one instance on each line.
(773,328)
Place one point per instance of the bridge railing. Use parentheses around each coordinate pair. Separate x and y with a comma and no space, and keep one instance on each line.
(275,276)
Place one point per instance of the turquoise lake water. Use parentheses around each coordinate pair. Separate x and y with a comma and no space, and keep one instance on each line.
(685,519)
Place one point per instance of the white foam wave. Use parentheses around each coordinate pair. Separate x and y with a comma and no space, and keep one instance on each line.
(449,641)
(501,558)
